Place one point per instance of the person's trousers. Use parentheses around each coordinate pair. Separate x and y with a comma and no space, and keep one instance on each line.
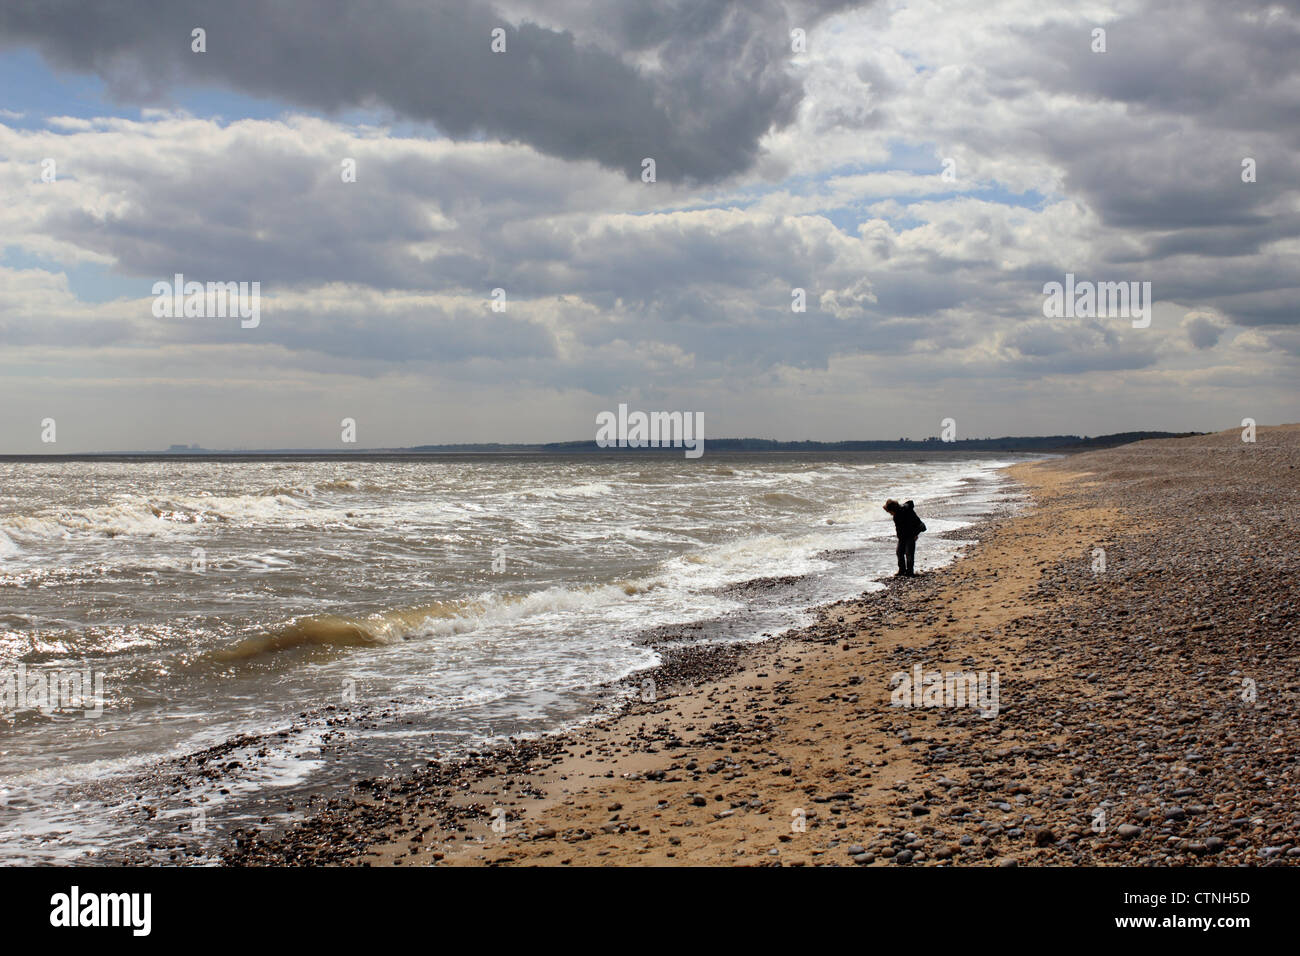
(906,554)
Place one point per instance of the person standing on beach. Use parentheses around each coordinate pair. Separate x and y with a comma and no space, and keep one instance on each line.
(907,525)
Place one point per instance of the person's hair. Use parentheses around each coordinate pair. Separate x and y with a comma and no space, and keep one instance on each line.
(891,505)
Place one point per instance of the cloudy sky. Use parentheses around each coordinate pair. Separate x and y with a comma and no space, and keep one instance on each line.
(919,169)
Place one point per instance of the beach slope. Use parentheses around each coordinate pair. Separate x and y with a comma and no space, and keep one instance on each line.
(1139,616)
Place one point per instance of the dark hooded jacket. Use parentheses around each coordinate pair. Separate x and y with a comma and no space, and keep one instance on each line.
(906,522)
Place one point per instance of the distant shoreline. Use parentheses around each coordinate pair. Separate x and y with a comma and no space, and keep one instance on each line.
(714,446)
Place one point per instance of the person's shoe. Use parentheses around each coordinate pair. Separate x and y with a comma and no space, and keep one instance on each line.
(900,574)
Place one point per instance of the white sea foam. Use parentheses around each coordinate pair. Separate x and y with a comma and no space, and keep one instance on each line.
(591,489)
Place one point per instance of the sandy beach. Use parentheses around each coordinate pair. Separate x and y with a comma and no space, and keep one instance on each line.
(1139,616)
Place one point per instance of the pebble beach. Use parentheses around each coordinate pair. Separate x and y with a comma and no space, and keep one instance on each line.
(1139,616)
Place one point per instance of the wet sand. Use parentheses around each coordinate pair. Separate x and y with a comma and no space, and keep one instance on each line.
(1149,709)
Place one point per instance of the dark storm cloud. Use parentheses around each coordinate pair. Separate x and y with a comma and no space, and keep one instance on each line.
(1174,57)
(1273,307)
(720,83)
(1202,332)
(1204,87)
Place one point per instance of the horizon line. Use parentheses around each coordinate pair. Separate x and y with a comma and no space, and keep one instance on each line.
(589,446)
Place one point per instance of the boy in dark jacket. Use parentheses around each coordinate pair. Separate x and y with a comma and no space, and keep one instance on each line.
(907,525)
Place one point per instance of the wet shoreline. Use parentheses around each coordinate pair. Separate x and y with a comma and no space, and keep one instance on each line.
(1147,717)
(181,807)
(344,825)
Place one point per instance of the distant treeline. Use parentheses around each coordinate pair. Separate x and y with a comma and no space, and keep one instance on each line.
(1036,443)
(1042,443)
